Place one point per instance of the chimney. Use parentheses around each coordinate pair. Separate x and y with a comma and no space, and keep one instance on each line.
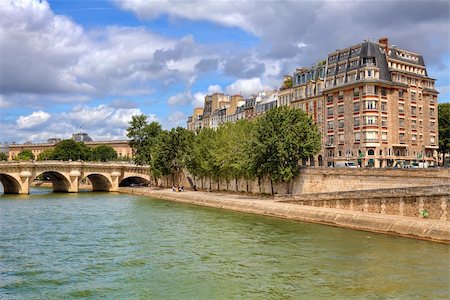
(383,42)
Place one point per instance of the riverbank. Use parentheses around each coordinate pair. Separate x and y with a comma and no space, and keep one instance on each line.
(425,229)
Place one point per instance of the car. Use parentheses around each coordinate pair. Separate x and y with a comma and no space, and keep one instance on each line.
(345,164)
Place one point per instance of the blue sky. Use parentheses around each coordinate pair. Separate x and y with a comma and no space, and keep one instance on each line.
(67,66)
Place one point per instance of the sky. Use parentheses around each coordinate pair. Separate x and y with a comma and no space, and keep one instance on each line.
(89,65)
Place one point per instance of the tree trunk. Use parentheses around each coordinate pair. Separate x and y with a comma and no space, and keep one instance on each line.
(237,189)
(271,186)
(246,180)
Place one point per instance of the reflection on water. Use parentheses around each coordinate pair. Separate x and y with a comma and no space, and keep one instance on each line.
(107,245)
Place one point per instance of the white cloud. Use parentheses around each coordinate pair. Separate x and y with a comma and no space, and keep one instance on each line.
(3,102)
(214,89)
(246,87)
(176,118)
(35,119)
(180,98)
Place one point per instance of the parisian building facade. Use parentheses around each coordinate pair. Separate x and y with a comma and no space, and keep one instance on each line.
(373,103)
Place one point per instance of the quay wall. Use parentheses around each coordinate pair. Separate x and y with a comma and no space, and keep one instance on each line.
(410,201)
(322,180)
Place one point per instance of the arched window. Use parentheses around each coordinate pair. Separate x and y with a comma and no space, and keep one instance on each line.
(370,152)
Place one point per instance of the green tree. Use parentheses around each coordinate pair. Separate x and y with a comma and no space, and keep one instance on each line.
(3,156)
(170,155)
(25,155)
(71,150)
(103,153)
(46,155)
(444,129)
(283,136)
(143,138)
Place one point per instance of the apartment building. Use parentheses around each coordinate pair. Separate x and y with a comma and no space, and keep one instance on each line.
(374,104)
(380,106)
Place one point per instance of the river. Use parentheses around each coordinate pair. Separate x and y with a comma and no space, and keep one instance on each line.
(117,246)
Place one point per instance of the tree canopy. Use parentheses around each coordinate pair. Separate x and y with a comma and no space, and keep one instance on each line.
(25,155)
(3,156)
(270,147)
(103,153)
(71,150)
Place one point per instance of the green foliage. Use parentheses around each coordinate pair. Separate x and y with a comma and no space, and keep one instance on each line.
(170,154)
(283,136)
(71,150)
(25,155)
(103,153)
(444,128)
(46,155)
(143,138)
(3,156)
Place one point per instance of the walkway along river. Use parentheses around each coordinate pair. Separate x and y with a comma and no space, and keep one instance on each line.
(121,246)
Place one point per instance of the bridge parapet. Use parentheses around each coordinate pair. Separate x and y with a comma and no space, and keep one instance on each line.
(66,175)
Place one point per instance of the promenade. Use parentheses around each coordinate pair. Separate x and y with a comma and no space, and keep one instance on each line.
(418,228)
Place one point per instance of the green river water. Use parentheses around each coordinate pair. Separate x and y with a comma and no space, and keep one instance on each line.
(116,246)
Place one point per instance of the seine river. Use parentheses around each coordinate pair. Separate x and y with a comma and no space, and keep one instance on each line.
(115,246)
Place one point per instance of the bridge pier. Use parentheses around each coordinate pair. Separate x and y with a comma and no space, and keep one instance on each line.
(115,175)
(25,178)
(74,177)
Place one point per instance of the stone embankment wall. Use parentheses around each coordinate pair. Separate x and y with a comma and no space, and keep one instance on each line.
(410,202)
(325,180)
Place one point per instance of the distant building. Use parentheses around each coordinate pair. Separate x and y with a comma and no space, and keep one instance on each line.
(81,137)
(53,140)
(121,147)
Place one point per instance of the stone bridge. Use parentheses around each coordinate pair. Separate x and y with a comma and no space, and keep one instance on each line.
(66,176)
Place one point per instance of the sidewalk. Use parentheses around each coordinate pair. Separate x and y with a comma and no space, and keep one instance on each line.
(426,229)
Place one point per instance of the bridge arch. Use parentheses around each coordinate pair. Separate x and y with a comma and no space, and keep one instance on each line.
(60,182)
(133,180)
(10,184)
(99,182)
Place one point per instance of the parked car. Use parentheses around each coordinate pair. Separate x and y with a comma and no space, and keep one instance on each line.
(345,164)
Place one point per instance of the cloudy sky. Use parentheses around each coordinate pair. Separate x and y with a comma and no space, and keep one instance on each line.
(89,65)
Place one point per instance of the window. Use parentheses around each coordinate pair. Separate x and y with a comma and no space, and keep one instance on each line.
(401,137)
(356,92)
(383,106)
(401,123)
(401,108)
(413,110)
(340,109)
(341,123)
(413,124)
(400,93)
(432,139)
(369,73)
(371,152)
(370,104)
(330,140)
(413,97)
(383,92)
(357,136)
(330,125)
(431,112)
(356,107)
(370,89)
(341,138)
(370,120)
(384,136)
(414,138)
(341,95)
(329,99)
(356,121)
(371,136)
(329,111)
(384,121)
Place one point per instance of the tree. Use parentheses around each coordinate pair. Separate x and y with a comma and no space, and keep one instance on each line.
(46,155)
(444,129)
(71,150)
(3,156)
(170,155)
(25,155)
(103,153)
(283,136)
(143,138)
